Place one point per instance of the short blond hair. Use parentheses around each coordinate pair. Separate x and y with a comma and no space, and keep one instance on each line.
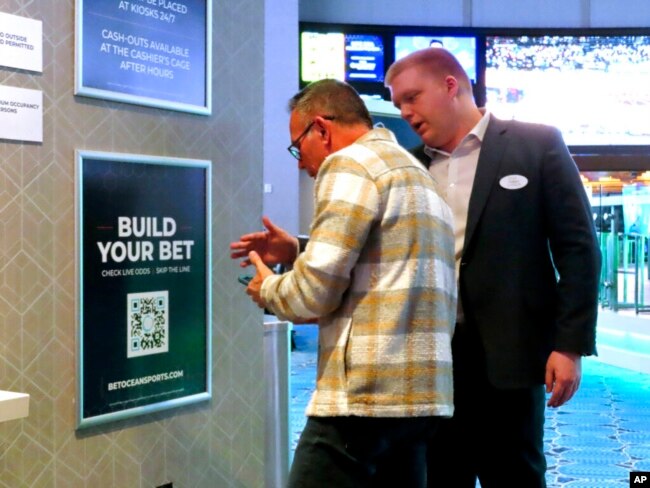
(436,60)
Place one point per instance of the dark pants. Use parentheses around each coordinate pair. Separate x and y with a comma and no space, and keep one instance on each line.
(495,434)
(345,452)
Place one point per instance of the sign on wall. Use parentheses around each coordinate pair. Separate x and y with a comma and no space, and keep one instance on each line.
(21,42)
(146,52)
(143,231)
(21,114)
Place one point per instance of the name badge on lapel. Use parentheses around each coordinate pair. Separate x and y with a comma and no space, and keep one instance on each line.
(513,182)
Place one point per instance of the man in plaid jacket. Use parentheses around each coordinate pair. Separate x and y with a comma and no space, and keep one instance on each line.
(378,274)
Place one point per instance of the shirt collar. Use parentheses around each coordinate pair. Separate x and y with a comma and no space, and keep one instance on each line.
(478,131)
(378,133)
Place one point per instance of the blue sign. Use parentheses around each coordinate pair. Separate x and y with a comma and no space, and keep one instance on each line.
(147,52)
(364,57)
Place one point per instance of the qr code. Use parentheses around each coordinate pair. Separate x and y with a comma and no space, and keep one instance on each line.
(147,323)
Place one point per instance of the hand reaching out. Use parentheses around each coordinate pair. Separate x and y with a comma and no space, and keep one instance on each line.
(273,245)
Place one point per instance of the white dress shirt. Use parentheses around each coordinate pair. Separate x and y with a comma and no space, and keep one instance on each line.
(454,175)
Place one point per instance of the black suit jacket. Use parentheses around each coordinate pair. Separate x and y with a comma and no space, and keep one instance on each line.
(530,265)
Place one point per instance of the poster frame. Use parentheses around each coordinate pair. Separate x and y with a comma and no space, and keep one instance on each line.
(81,88)
(80,157)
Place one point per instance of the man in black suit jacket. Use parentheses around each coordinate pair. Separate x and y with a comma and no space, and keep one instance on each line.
(528,268)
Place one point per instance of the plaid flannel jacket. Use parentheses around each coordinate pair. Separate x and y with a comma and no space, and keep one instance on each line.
(378,272)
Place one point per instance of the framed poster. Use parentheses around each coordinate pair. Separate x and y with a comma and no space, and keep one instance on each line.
(147,52)
(144,284)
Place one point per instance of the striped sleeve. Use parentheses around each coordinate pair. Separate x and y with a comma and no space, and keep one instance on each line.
(347,205)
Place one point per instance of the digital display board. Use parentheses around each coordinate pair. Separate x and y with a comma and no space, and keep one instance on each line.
(594,88)
(345,57)
(463,47)
(364,58)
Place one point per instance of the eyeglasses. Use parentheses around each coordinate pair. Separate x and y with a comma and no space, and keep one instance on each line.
(294,147)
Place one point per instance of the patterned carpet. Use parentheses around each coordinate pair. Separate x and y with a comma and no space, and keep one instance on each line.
(594,441)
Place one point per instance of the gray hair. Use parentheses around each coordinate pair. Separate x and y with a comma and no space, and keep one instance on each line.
(331,98)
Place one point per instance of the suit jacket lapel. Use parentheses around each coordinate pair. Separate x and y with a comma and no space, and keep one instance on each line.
(492,148)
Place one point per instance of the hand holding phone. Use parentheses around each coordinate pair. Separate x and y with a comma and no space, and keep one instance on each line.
(244,279)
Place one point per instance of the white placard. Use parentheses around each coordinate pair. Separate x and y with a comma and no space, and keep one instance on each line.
(21,114)
(13,405)
(21,42)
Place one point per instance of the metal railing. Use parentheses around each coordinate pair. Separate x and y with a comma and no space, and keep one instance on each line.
(624,272)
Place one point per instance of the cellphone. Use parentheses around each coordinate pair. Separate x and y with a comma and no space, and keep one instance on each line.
(244,279)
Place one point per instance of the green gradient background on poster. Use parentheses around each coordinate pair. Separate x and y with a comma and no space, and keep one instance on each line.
(118,188)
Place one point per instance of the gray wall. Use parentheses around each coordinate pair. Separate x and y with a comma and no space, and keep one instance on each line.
(212,444)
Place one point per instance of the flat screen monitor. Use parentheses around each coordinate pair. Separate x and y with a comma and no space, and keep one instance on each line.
(351,57)
(364,58)
(594,88)
(463,47)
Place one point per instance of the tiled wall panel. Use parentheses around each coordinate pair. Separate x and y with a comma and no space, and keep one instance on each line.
(213,445)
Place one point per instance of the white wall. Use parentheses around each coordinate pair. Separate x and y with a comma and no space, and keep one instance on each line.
(281,83)
(481,13)
(529,13)
(620,13)
(406,12)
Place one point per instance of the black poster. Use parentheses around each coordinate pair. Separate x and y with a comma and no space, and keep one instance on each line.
(144,284)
